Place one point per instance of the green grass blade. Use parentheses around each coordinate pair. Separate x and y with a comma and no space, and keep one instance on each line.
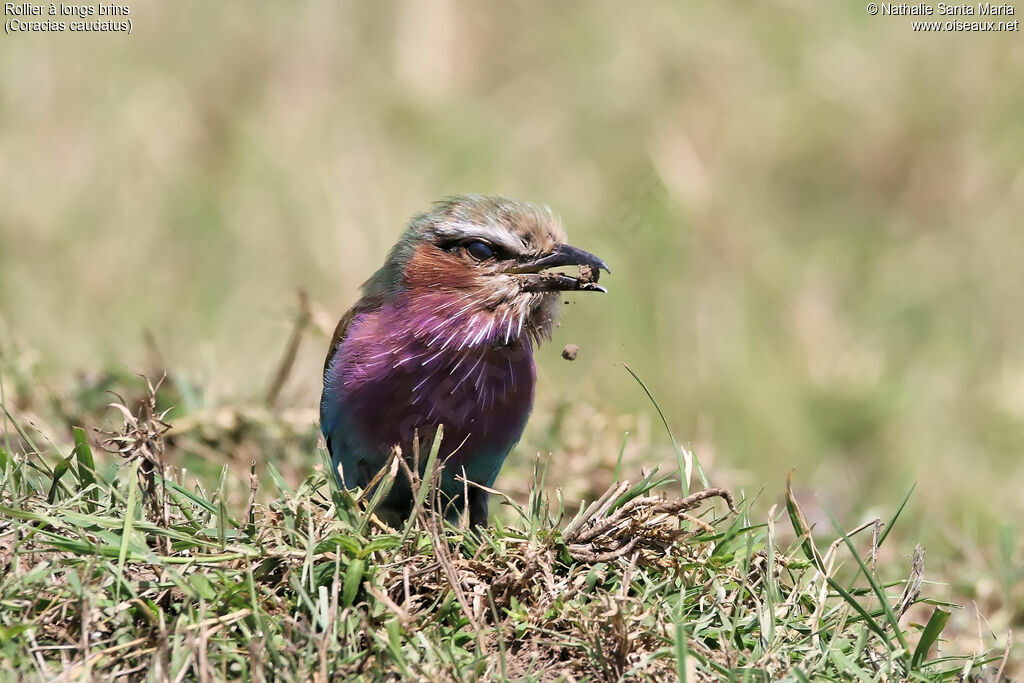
(353,578)
(847,666)
(875,586)
(129,521)
(931,633)
(684,462)
(86,464)
(864,614)
(58,472)
(679,642)
(21,431)
(384,487)
(617,475)
(801,526)
(428,475)
(192,496)
(222,510)
(279,482)
(892,522)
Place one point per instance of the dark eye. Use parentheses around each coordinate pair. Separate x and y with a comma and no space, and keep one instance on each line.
(481,251)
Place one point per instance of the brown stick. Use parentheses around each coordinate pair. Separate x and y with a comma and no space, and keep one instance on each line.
(284,368)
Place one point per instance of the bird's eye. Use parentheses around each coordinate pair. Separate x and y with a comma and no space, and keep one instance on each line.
(481,251)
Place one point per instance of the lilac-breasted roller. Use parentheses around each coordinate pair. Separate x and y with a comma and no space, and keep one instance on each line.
(444,335)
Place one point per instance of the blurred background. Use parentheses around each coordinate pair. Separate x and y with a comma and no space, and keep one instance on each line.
(812,215)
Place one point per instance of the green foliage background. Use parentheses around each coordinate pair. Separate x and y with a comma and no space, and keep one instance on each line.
(812,214)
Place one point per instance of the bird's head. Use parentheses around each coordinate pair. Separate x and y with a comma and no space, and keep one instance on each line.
(488,256)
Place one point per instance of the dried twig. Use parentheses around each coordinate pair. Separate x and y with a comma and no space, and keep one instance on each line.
(600,536)
(913,587)
(141,438)
(284,368)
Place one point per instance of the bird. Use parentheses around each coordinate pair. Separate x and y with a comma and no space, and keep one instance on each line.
(444,335)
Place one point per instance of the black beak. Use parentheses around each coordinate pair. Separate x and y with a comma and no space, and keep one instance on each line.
(533,280)
(564,255)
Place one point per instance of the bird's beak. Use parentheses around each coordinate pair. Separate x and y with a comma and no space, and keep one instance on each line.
(533,278)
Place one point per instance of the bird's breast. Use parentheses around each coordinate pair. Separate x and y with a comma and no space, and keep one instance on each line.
(399,370)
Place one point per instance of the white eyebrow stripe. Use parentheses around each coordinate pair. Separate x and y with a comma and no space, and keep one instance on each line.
(497,236)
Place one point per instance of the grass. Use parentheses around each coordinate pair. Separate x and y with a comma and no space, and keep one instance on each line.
(120,565)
